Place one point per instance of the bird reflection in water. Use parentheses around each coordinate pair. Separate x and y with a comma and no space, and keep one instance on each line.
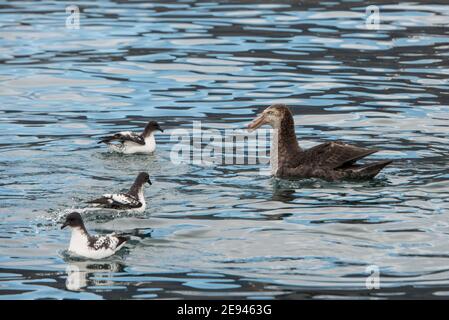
(83,274)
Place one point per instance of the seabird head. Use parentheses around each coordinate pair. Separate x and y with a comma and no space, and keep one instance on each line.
(273,116)
(73,220)
(151,127)
(143,178)
(137,186)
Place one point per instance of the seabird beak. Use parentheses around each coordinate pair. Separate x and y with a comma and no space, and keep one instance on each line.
(64,225)
(149,182)
(160,129)
(256,123)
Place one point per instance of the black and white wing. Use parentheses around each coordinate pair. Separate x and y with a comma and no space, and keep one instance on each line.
(106,242)
(124,136)
(121,201)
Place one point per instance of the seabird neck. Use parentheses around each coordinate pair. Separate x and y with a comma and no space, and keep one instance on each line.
(81,229)
(148,131)
(136,189)
(286,133)
(284,147)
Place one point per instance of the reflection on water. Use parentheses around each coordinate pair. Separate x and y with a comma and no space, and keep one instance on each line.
(224,231)
(98,274)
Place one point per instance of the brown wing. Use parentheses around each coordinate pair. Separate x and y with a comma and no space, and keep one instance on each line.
(334,155)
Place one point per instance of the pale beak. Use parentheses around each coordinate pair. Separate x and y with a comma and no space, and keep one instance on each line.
(256,123)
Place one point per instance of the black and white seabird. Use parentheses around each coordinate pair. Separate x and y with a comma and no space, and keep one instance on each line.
(131,142)
(92,247)
(133,200)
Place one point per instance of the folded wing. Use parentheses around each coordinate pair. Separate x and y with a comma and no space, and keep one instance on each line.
(124,136)
(334,155)
(117,201)
(111,242)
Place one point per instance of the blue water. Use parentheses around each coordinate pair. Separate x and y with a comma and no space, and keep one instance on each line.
(224,231)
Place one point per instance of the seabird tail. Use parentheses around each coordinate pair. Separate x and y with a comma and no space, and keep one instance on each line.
(105,140)
(102,200)
(121,241)
(370,170)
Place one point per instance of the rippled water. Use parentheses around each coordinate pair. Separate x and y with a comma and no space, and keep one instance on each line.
(224,231)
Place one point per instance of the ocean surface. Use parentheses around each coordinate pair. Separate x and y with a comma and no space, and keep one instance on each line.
(224,230)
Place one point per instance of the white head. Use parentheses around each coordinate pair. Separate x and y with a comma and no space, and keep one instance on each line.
(273,116)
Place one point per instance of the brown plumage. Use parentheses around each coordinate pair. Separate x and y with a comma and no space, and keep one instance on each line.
(330,161)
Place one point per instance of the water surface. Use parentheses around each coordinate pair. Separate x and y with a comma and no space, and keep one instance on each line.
(224,231)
